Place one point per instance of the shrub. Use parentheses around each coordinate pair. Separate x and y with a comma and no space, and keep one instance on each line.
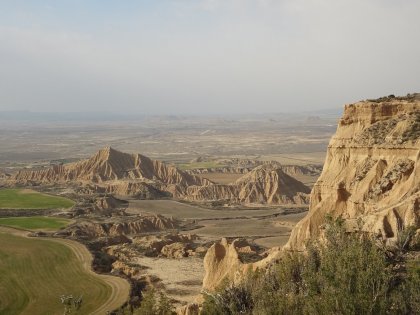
(154,304)
(346,273)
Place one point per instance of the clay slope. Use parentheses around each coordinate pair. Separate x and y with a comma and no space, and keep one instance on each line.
(372,171)
(292,170)
(111,166)
(142,224)
(265,184)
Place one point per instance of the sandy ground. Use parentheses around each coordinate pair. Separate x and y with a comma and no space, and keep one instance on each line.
(267,226)
(221,178)
(120,287)
(186,211)
(182,278)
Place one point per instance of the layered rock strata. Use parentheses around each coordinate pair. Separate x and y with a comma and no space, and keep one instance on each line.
(371,176)
(266,184)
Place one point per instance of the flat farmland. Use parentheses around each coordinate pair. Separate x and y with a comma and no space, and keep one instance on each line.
(35,223)
(34,273)
(29,199)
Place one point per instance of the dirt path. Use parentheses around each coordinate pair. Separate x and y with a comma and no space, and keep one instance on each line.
(120,288)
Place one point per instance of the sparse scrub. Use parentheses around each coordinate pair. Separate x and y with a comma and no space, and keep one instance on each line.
(347,273)
(154,303)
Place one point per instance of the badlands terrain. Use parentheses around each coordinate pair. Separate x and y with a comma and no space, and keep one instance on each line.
(150,202)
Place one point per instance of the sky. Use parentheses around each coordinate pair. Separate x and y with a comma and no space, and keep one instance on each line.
(205,56)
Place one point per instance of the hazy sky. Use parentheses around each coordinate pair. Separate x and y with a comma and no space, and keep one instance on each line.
(205,56)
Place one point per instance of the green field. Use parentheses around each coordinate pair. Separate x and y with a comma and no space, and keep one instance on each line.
(34,273)
(29,199)
(35,223)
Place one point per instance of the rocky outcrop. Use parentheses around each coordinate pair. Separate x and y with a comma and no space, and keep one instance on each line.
(126,226)
(140,190)
(371,175)
(169,245)
(110,166)
(266,184)
(372,171)
(175,250)
(113,172)
(4,175)
(108,203)
(291,170)
(222,261)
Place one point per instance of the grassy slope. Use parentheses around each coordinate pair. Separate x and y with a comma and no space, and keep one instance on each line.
(34,273)
(24,199)
(35,223)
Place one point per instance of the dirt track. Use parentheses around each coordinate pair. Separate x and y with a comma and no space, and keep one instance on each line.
(120,288)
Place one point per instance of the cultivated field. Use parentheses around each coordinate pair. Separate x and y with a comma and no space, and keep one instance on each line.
(34,273)
(35,223)
(29,199)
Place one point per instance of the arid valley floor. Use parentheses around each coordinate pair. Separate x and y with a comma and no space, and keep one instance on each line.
(181,204)
(219,149)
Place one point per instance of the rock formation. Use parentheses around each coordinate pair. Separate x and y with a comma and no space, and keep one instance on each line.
(372,171)
(108,203)
(129,226)
(222,262)
(291,170)
(265,184)
(371,175)
(120,173)
(113,172)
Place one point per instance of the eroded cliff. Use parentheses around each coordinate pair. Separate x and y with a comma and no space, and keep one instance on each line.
(117,172)
(371,176)
(266,184)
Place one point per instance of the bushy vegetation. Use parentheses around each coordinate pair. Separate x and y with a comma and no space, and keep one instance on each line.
(413,133)
(409,97)
(152,303)
(344,274)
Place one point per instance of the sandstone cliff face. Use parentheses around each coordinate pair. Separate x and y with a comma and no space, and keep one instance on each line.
(371,173)
(265,184)
(222,262)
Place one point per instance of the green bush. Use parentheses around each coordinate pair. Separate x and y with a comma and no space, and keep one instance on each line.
(154,303)
(346,273)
